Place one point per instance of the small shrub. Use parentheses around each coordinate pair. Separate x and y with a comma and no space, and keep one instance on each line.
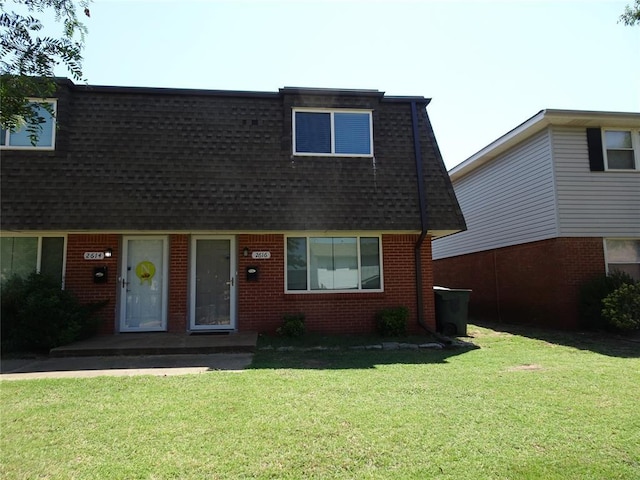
(593,292)
(292,326)
(621,309)
(392,322)
(38,315)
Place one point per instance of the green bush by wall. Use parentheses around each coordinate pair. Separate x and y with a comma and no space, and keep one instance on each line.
(38,315)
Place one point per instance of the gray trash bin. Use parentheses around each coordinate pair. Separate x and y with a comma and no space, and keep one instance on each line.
(452,307)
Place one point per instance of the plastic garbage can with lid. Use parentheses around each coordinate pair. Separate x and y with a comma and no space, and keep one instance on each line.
(452,307)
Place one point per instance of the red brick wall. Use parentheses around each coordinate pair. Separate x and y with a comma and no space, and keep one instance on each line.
(536,282)
(262,304)
(79,273)
(177,315)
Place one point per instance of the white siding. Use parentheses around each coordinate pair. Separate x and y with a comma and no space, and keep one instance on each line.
(592,204)
(508,201)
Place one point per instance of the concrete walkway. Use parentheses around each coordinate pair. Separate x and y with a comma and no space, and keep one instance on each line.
(137,354)
(118,366)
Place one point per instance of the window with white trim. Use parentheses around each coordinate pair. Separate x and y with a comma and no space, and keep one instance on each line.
(333,132)
(621,149)
(45,131)
(333,264)
(23,255)
(623,256)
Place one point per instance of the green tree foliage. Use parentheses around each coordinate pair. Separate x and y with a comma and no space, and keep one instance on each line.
(631,14)
(29,55)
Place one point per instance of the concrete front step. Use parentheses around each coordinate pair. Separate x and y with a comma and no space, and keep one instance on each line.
(159,343)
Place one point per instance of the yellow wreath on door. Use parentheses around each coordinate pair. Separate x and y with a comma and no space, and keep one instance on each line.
(145,271)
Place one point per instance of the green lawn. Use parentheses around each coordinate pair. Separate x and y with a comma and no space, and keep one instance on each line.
(528,404)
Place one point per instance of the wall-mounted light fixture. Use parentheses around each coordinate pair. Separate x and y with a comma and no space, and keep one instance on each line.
(108,253)
(245,252)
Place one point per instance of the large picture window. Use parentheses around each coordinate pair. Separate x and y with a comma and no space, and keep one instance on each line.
(340,133)
(45,131)
(23,255)
(333,264)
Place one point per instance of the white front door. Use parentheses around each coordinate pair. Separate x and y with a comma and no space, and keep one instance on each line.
(143,299)
(213,283)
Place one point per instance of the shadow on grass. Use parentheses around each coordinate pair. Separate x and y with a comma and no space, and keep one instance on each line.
(604,343)
(342,352)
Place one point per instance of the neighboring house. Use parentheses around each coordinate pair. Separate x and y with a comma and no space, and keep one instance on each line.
(198,210)
(549,205)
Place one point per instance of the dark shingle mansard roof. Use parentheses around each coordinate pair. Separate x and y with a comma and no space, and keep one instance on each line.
(140,159)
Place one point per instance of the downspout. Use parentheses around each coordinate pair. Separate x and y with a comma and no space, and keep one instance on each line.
(423,216)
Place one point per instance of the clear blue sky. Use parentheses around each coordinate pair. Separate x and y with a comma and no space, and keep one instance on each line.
(487,65)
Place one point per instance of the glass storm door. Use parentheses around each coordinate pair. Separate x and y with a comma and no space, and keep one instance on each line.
(213,272)
(143,285)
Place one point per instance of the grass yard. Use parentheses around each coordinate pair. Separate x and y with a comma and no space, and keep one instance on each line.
(528,404)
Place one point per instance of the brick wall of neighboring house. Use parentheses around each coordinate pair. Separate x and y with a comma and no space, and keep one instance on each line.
(262,304)
(535,282)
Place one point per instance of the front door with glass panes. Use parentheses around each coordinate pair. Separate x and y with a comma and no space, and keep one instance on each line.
(143,284)
(213,283)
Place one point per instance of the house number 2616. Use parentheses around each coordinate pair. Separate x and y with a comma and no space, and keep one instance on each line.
(261,255)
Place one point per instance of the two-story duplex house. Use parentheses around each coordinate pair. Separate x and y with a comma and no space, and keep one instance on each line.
(549,205)
(198,210)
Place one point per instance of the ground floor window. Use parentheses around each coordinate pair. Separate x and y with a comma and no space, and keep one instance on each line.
(23,255)
(333,263)
(624,256)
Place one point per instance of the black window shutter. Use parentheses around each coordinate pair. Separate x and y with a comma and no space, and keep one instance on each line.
(594,144)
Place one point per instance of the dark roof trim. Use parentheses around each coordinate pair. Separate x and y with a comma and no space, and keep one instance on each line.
(243,93)
(173,91)
(331,91)
(400,99)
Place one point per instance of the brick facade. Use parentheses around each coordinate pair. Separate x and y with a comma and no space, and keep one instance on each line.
(262,304)
(79,273)
(535,282)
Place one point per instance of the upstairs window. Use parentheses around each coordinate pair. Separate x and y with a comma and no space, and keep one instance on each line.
(21,137)
(621,149)
(333,132)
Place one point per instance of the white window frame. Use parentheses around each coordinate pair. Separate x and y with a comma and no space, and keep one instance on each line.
(39,250)
(8,146)
(357,236)
(607,259)
(332,111)
(635,148)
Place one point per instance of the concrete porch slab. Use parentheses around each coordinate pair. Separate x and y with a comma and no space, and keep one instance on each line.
(159,343)
(123,366)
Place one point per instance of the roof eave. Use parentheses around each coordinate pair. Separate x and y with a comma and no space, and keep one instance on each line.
(540,121)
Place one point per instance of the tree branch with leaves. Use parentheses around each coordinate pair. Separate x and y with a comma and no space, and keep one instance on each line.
(631,15)
(30,55)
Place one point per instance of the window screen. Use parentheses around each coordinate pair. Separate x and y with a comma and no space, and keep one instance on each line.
(333,133)
(313,132)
